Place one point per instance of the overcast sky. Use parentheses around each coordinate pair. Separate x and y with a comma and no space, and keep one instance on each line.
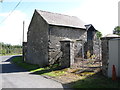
(103,14)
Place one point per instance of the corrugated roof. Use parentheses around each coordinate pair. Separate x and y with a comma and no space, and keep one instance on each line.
(61,19)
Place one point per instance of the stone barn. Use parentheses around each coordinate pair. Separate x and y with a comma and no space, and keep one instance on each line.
(45,32)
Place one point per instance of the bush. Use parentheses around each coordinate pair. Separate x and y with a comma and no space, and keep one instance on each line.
(88,54)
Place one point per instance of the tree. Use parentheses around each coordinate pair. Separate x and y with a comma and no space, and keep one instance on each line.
(10,49)
(116,30)
(99,34)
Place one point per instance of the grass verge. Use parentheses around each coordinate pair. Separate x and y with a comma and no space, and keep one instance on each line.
(84,80)
(10,54)
(96,81)
(18,61)
(35,69)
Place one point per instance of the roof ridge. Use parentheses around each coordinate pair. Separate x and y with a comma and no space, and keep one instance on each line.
(57,13)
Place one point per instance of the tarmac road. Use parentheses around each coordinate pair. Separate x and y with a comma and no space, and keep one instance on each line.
(16,77)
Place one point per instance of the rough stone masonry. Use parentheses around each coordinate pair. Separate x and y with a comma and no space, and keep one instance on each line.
(45,32)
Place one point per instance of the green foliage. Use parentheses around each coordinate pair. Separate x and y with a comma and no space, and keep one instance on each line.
(93,56)
(10,49)
(99,34)
(116,30)
(1,1)
(88,54)
(55,73)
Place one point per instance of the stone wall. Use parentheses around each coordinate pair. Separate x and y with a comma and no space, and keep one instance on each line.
(88,46)
(37,41)
(97,48)
(93,45)
(78,48)
(67,48)
(58,33)
(105,54)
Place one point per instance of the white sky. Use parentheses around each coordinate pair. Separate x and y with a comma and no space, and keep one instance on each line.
(11,29)
(103,14)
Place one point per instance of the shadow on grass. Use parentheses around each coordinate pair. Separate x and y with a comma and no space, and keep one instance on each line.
(46,70)
(95,81)
(34,69)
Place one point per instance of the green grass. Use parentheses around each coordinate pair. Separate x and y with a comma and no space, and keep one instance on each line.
(55,73)
(10,54)
(50,70)
(92,81)
(96,81)
(18,61)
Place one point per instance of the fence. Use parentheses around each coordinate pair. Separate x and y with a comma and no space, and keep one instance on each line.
(86,57)
(78,55)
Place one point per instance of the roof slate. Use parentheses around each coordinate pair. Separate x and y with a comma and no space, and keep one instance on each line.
(61,19)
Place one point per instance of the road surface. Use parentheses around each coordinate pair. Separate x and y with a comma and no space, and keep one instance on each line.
(16,77)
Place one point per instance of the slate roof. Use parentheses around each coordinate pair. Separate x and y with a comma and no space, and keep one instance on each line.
(61,19)
(111,35)
(88,26)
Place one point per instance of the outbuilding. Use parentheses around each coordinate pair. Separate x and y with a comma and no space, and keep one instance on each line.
(45,32)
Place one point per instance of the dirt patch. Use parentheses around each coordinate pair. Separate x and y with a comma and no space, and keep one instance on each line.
(67,78)
(71,75)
